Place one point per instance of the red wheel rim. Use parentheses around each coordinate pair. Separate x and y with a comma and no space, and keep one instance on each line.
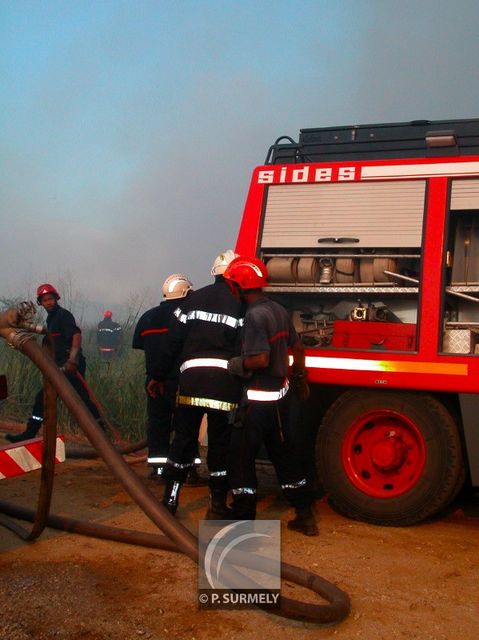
(383,453)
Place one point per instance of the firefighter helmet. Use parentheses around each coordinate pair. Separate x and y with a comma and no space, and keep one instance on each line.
(247,273)
(176,286)
(222,261)
(43,289)
(107,314)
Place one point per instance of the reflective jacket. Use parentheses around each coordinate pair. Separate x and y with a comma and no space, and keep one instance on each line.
(204,335)
(108,334)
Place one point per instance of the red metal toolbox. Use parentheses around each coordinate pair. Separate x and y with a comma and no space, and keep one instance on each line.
(393,336)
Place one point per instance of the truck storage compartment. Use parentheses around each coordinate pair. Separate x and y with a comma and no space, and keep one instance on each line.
(392,336)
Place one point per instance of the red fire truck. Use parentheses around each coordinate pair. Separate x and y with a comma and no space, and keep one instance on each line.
(370,234)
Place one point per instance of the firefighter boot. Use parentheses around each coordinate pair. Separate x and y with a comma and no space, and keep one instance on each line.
(33,427)
(193,479)
(171,495)
(304,522)
(218,509)
(243,507)
(156,473)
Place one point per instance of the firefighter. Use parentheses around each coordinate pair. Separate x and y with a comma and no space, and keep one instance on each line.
(268,405)
(108,337)
(203,336)
(66,337)
(150,336)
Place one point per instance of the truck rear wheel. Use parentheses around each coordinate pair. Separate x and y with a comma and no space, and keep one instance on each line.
(389,457)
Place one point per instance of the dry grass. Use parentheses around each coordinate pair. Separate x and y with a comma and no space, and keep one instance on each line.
(118,386)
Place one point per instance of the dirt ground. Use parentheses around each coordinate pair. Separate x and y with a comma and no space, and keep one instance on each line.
(419,582)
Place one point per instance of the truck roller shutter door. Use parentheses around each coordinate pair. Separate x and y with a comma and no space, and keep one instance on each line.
(465,213)
(383,214)
(465,194)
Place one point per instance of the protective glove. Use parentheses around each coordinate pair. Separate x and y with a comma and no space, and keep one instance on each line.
(299,383)
(155,388)
(236,368)
(70,366)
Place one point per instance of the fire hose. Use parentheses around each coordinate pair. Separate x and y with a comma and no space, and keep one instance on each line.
(16,329)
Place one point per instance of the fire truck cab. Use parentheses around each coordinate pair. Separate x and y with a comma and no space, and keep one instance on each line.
(370,234)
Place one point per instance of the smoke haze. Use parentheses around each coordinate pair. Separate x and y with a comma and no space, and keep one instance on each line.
(130,129)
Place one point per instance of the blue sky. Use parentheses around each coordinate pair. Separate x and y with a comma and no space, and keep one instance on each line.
(130,129)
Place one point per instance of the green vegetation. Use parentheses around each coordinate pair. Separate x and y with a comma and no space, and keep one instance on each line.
(118,386)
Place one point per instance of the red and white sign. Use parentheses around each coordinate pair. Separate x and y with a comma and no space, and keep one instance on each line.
(311,173)
(25,456)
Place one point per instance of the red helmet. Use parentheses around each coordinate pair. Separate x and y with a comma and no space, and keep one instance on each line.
(107,314)
(247,273)
(43,289)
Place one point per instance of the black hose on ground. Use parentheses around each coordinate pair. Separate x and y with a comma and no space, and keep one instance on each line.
(332,613)
(89,453)
(93,529)
(338,606)
(130,481)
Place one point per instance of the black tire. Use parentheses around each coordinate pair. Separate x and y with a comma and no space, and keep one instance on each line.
(429,469)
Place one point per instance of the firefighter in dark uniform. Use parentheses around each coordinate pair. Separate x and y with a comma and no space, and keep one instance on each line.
(204,336)
(151,333)
(268,404)
(66,337)
(108,337)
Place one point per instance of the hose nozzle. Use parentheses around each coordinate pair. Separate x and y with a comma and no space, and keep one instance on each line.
(17,324)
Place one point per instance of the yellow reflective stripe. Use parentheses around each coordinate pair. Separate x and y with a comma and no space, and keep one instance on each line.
(267,396)
(204,362)
(208,403)
(395,366)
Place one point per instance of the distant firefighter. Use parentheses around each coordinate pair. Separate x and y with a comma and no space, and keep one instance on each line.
(108,337)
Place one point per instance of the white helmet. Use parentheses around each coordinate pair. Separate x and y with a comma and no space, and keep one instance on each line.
(176,286)
(222,261)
